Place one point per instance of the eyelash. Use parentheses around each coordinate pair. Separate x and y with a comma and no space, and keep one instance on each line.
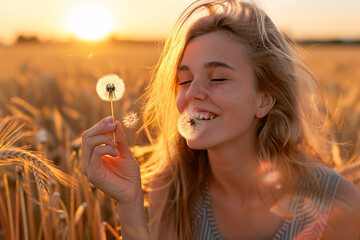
(184,83)
(218,79)
(213,80)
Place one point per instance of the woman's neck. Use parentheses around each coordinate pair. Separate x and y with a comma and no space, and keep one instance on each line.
(236,172)
(233,170)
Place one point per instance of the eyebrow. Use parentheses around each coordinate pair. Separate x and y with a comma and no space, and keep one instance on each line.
(207,65)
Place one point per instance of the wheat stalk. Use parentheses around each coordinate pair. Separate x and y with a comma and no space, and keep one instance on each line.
(8,203)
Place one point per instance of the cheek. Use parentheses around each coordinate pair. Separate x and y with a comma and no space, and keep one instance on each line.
(181,101)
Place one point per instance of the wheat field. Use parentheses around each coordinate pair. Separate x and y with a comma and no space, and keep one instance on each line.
(48,97)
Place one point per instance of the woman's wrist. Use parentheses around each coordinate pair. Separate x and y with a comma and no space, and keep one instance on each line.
(132,219)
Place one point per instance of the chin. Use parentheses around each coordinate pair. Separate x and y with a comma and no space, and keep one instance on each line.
(198,145)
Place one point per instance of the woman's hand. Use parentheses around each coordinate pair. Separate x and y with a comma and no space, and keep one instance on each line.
(110,165)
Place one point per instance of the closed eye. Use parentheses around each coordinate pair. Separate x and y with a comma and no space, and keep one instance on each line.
(218,79)
(184,83)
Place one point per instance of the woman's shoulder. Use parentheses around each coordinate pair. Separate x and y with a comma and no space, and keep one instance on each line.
(344,219)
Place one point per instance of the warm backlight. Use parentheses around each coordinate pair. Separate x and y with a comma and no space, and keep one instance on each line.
(91,22)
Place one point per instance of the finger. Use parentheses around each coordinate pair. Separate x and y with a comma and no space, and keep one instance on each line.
(88,147)
(95,170)
(108,119)
(103,127)
(122,147)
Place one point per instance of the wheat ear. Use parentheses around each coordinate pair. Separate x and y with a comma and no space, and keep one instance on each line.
(41,168)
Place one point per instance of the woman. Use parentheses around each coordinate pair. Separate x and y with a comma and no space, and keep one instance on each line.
(238,140)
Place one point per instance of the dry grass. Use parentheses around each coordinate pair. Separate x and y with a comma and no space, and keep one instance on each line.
(49,91)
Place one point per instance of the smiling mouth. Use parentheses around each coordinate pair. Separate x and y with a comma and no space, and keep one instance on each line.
(202,115)
(196,118)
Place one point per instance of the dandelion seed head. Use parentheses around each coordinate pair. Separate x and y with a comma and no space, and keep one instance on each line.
(110,87)
(188,126)
(130,120)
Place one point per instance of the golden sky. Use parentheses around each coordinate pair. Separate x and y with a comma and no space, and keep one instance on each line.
(152,19)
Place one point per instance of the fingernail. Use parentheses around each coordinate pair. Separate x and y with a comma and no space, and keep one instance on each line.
(108,119)
(117,152)
(111,124)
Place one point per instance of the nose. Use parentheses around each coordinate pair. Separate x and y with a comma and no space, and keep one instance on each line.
(196,90)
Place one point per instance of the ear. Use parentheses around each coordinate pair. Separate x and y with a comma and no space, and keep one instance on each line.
(265,103)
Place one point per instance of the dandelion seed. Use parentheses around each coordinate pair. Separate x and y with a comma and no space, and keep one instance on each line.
(189,127)
(130,120)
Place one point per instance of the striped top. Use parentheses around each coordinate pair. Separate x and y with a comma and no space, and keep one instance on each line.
(309,210)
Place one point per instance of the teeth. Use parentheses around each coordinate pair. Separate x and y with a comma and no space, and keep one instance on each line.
(202,116)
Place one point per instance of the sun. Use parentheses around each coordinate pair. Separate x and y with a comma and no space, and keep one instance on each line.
(91,22)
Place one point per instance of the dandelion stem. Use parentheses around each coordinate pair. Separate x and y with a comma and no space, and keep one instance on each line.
(112,114)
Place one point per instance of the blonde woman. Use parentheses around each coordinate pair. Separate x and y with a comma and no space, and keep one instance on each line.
(238,141)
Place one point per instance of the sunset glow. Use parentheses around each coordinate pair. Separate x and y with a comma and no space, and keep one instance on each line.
(91,22)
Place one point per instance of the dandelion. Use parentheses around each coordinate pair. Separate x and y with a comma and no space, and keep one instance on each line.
(130,119)
(189,127)
(110,88)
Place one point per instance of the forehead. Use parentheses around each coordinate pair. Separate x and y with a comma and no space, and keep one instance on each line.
(215,46)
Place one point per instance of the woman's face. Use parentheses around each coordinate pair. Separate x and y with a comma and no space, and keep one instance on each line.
(216,90)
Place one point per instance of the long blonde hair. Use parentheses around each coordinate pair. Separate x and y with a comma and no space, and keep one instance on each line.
(292,133)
